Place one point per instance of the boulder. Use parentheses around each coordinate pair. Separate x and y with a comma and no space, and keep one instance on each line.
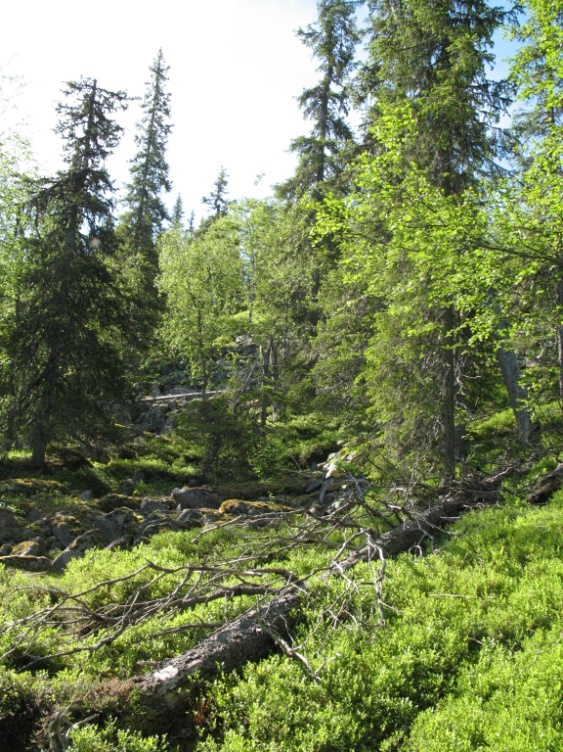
(27,548)
(195,498)
(9,526)
(190,518)
(75,551)
(149,505)
(27,563)
(250,508)
(121,522)
(127,487)
(65,529)
(112,501)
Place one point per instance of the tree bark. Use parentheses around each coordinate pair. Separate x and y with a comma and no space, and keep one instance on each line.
(516,393)
(448,398)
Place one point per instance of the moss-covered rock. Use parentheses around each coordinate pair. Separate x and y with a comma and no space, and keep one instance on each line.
(235,507)
(27,563)
(31,486)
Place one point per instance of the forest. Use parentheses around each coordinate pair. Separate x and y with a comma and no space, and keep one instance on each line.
(290,478)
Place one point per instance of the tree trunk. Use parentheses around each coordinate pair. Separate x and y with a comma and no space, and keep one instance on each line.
(510,369)
(516,393)
(39,449)
(448,398)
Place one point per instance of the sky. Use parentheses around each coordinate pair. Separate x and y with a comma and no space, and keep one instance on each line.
(236,68)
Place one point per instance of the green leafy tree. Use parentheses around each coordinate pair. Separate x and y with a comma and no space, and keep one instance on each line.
(73,315)
(431,108)
(201,276)
(527,205)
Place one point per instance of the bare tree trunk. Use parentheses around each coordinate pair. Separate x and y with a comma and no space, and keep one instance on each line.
(38,449)
(448,398)
(516,393)
(510,369)
(560,342)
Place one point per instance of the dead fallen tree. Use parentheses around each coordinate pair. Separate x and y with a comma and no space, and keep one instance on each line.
(421,515)
(253,635)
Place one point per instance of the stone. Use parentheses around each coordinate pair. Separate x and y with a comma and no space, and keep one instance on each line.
(127,487)
(190,518)
(65,529)
(195,498)
(75,551)
(27,548)
(5,550)
(153,420)
(110,502)
(27,563)
(120,522)
(9,526)
(153,525)
(249,508)
(86,495)
(149,505)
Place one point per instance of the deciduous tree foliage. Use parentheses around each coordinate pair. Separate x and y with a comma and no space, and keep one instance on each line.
(431,105)
(201,277)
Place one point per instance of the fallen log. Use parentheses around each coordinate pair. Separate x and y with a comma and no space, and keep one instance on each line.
(251,636)
(547,486)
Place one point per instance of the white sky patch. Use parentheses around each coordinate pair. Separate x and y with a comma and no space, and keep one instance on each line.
(236,68)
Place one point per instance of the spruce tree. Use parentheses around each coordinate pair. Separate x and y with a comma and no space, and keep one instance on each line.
(217,200)
(149,169)
(65,349)
(322,154)
(427,68)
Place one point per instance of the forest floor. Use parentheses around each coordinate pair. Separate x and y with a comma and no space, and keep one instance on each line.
(312,612)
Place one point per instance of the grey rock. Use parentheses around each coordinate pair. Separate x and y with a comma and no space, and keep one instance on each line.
(120,522)
(154,525)
(86,495)
(27,548)
(9,527)
(153,420)
(75,551)
(127,487)
(314,486)
(118,543)
(27,563)
(63,533)
(190,517)
(148,505)
(196,498)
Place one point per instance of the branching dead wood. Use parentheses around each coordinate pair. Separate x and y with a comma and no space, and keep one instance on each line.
(371,528)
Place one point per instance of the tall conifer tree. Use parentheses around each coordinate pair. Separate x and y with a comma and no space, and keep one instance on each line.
(65,347)
(149,168)
(333,40)
(427,66)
